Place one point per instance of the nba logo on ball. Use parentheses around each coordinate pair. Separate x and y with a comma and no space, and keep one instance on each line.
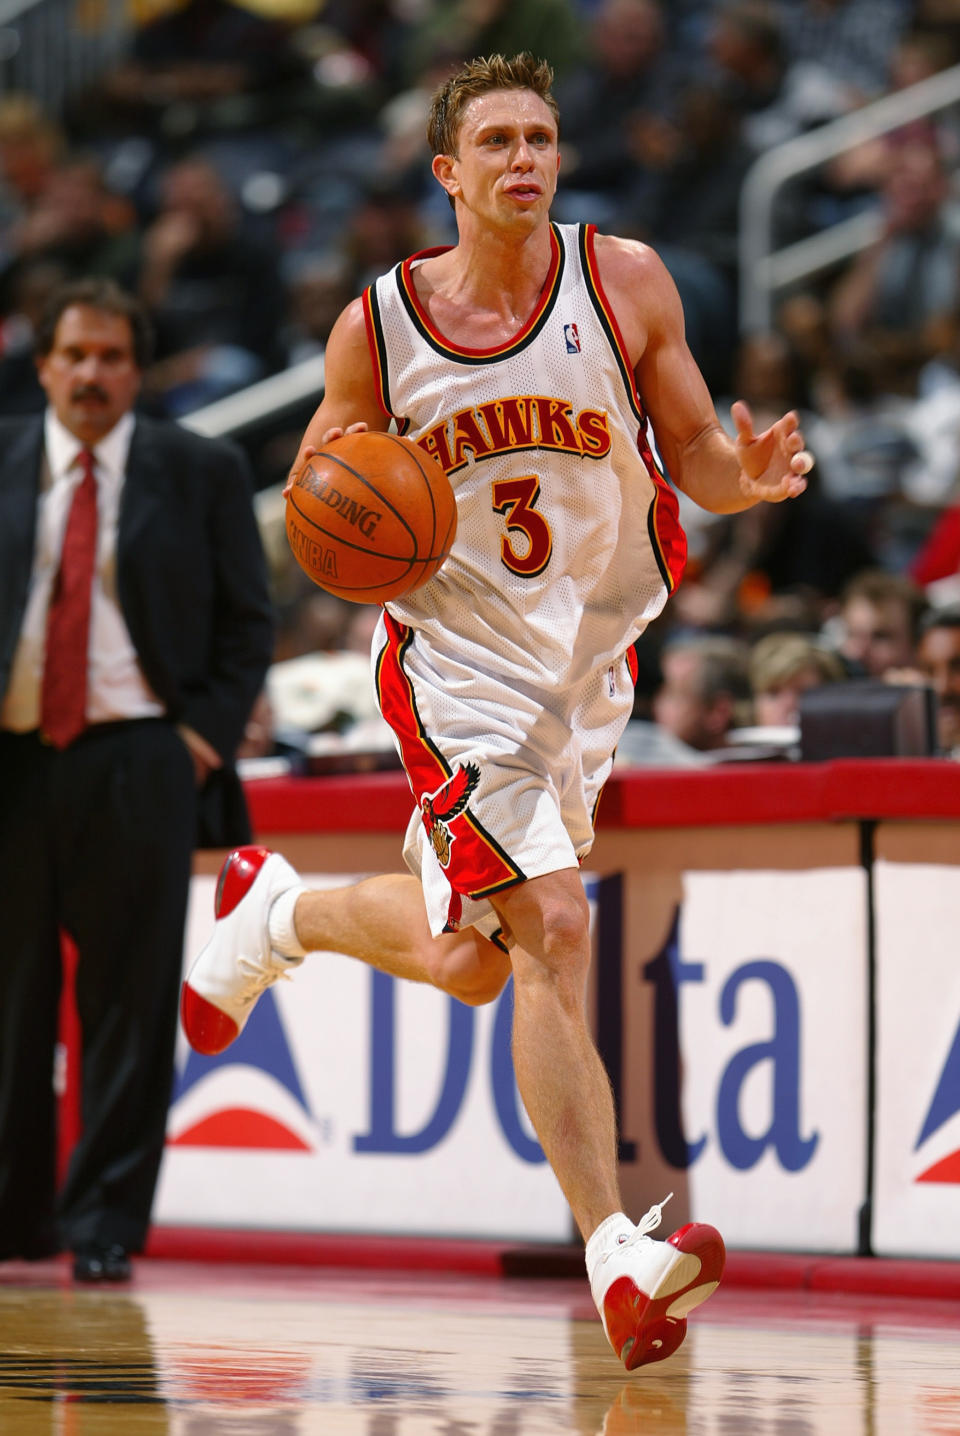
(572,336)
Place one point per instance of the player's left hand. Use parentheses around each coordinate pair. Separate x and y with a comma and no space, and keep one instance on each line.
(774,464)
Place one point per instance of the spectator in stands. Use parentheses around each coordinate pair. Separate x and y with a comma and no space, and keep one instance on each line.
(404,155)
(464,28)
(77,223)
(378,32)
(705,691)
(766,570)
(26,294)
(385,227)
(938,659)
(685,201)
(782,667)
(215,293)
(770,369)
(899,296)
(223,66)
(614,103)
(841,53)
(31,146)
(745,55)
(873,456)
(318,287)
(878,623)
(801,319)
(918,55)
(645,743)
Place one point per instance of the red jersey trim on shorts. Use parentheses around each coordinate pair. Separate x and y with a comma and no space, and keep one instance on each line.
(472,861)
(425,326)
(667,537)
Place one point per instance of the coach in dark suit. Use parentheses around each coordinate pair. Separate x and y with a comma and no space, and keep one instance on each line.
(135,633)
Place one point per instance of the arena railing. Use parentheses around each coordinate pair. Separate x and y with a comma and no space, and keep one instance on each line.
(241,413)
(766,271)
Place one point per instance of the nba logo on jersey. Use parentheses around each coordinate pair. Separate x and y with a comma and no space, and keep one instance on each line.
(572,336)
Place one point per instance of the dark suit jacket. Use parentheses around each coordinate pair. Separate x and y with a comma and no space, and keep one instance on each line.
(191,579)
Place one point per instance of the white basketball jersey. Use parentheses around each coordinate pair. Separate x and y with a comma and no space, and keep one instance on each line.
(568,541)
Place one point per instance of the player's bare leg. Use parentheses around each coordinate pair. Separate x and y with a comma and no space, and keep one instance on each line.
(559,1073)
(643,1289)
(266,923)
(382,921)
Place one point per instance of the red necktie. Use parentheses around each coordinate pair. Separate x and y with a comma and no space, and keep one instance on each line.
(63,702)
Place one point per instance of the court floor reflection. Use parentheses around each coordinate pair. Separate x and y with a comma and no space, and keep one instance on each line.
(213,1350)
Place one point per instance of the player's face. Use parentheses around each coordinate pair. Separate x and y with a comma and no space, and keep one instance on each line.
(90,375)
(506,167)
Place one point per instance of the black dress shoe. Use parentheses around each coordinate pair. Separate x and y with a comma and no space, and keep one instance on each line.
(97,1262)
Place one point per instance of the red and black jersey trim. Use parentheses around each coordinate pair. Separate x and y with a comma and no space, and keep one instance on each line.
(377,344)
(586,240)
(459,353)
(478,866)
(667,539)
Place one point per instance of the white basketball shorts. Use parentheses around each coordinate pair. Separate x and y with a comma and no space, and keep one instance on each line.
(506,787)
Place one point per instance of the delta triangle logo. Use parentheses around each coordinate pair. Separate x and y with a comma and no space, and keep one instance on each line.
(248,1097)
(944,1105)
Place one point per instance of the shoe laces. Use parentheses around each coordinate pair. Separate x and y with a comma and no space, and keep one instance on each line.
(260,974)
(647,1223)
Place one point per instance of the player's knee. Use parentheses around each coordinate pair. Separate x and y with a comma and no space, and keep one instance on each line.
(557,950)
(479,988)
(547,916)
(473,970)
(565,932)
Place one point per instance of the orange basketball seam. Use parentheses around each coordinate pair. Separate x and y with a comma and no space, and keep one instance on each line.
(426,478)
(345,542)
(341,463)
(382,501)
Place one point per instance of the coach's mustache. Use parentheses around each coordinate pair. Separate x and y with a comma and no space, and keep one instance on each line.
(90,391)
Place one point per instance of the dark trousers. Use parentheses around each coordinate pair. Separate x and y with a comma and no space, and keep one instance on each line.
(96,840)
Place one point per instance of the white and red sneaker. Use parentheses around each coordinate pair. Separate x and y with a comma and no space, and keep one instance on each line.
(240,961)
(644,1289)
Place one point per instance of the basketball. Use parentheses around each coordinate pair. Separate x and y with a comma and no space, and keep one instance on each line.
(371,517)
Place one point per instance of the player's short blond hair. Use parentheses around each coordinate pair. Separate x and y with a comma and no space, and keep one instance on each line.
(480,77)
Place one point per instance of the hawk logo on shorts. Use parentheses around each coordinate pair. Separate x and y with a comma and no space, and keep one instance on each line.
(446,803)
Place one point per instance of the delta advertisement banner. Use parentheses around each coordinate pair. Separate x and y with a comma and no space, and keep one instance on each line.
(918,1060)
(756,1037)
(355,1103)
(733,1026)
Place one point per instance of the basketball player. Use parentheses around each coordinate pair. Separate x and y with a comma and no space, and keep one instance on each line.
(528,357)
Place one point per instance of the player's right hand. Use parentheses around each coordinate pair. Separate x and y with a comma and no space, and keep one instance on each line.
(308,450)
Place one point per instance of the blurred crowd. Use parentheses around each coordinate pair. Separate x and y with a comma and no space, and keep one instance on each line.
(246,170)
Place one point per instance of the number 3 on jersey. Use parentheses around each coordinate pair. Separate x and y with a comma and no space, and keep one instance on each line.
(516,499)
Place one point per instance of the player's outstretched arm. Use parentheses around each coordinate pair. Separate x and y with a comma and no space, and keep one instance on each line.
(719,473)
(350,402)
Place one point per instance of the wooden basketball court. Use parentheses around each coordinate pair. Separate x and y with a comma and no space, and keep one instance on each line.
(191,1349)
